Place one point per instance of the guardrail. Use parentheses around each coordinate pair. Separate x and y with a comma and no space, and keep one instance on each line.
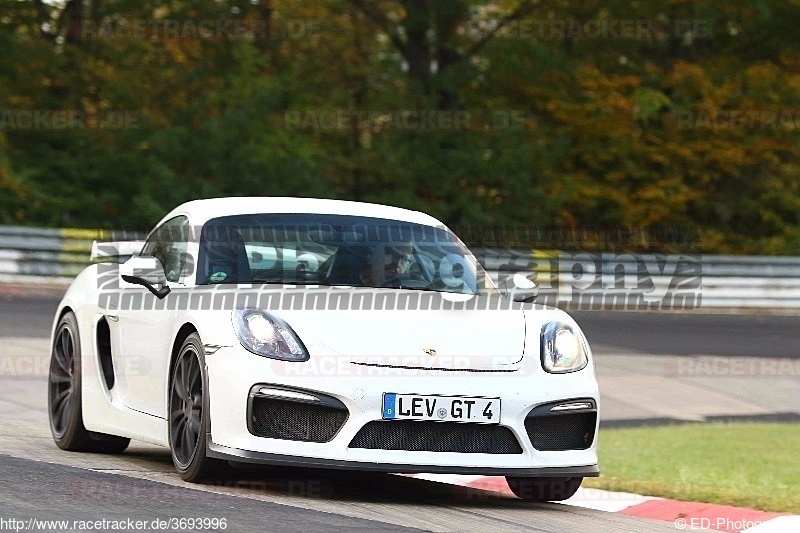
(45,252)
(570,280)
(584,280)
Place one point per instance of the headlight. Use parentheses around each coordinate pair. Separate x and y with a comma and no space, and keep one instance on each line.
(265,334)
(563,349)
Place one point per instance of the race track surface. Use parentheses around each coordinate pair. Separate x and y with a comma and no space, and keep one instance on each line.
(40,481)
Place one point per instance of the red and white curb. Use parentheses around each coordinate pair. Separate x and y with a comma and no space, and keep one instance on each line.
(689,516)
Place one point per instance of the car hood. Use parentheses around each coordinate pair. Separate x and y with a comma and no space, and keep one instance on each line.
(460,335)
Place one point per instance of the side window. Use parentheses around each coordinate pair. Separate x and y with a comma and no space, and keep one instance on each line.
(169,244)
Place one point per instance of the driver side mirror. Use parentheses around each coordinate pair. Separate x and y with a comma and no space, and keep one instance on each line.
(520,288)
(147,272)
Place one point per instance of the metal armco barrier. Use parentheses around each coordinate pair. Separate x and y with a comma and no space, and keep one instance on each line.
(586,280)
(45,252)
(570,280)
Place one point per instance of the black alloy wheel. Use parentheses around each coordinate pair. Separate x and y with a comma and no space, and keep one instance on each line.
(187,414)
(64,396)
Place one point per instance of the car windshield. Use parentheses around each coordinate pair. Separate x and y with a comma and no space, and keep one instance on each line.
(336,250)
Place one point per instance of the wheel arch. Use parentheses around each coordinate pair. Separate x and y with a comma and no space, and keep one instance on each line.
(180,337)
(183,333)
(63,310)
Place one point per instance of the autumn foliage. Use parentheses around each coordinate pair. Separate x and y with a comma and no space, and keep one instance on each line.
(540,113)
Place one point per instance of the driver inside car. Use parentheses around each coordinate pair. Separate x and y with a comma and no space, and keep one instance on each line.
(386,263)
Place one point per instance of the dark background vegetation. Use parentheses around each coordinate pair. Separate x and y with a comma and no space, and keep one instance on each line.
(596,139)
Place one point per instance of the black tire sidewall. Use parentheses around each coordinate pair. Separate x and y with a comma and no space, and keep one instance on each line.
(544,489)
(200,465)
(75,436)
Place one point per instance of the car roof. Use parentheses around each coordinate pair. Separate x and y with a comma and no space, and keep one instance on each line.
(201,211)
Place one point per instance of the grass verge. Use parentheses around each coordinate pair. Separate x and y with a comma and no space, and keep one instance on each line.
(753,465)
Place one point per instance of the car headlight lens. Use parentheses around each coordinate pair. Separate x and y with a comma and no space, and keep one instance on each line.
(265,334)
(563,348)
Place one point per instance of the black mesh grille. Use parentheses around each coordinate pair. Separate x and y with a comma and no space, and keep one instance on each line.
(551,432)
(289,420)
(436,437)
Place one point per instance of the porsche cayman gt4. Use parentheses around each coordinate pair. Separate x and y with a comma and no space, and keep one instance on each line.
(327,334)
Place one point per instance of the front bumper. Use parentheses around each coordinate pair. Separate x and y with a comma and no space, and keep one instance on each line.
(233,371)
(242,456)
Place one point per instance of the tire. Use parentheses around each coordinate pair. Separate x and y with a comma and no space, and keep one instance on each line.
(544,489)
(188,419)
(64,396)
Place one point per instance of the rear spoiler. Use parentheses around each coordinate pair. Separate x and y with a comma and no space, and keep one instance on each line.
(115,252)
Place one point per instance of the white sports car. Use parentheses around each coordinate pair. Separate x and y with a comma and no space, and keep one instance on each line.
(322,333)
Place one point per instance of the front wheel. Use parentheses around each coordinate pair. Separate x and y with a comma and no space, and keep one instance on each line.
(188,421)
(544,489)
(64,396)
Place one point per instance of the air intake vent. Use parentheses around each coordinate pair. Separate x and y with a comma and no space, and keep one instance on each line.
(436,437)
(104,352)
(558,432)
(287,419)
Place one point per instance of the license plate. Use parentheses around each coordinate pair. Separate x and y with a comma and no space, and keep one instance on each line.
(441,408)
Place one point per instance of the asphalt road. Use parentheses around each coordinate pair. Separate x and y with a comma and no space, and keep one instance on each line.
(37,480)
(26,317)
(79,495)
(40,481)
(751,335)
(642,333)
